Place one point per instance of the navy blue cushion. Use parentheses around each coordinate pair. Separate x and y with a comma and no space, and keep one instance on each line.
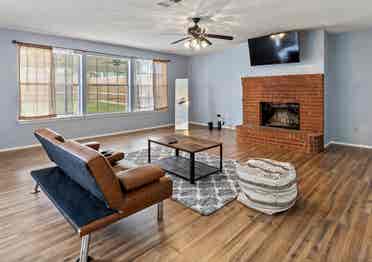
(72,166)
(76,204)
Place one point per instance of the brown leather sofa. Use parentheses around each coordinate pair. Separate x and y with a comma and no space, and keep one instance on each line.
(107,194)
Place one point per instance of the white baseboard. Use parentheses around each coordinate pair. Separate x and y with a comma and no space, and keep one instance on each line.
(205,124)
(16,148)
(123,132)
(198,123)
(162,126)
(347,144)
(89,137)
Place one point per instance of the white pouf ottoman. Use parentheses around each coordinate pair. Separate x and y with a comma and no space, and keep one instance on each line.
(266,185)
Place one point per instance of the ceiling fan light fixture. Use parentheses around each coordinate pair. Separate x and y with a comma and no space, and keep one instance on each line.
(194,43)
(277,36)
(204,43)
(187,44)
(197,47)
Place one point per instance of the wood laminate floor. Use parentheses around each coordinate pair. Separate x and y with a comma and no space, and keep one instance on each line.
(331,222)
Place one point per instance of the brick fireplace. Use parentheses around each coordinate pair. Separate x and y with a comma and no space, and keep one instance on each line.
(286,111)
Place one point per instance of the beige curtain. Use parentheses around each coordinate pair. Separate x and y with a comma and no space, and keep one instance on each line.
(160,85)
(36,83)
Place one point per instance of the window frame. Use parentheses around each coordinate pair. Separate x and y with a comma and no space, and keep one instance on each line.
(134,83)
(80,85)
(83,86)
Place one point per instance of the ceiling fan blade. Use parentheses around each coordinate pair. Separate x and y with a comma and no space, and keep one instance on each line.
(180,40)
(223,37)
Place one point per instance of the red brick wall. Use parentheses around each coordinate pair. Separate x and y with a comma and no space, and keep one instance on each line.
(307,90)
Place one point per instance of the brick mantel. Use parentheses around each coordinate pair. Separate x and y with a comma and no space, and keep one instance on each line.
(307,90)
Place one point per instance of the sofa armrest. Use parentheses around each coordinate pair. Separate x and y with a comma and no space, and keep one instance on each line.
(135,178)
(115,157)
(93,145)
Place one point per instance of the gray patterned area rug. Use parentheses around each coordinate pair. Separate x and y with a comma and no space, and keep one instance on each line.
(208,194)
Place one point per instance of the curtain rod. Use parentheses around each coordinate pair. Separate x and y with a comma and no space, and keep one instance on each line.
(87,51)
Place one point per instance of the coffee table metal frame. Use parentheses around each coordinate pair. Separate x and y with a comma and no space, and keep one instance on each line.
(173,163)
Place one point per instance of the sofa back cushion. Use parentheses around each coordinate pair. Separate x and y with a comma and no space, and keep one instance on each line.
(84,165)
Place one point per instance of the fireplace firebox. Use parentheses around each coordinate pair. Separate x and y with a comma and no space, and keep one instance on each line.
(281,115)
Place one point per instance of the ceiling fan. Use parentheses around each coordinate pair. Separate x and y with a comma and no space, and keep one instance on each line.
(198,37)
(168,3)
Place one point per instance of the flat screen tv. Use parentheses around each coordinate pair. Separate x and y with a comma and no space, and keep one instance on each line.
(278,48)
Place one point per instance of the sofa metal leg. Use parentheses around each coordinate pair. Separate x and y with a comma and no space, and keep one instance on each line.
(84,249)
(36,189)
(160,211)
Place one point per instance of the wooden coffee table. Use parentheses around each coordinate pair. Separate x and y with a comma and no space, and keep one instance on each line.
(183,167)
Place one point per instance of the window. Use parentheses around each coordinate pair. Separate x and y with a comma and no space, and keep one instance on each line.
(67,82)
(51,83)
(48,82)
(107,84)
(143,93)
(150,85)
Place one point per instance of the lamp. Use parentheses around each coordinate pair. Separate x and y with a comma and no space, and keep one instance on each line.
(187,44)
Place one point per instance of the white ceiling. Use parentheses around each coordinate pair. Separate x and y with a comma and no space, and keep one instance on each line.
(144,24)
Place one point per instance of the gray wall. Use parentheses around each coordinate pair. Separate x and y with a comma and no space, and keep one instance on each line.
(328,119)
(349,87)
(215,84)
(15,134)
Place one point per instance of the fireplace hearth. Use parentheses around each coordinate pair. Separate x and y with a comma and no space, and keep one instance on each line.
(280,115)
